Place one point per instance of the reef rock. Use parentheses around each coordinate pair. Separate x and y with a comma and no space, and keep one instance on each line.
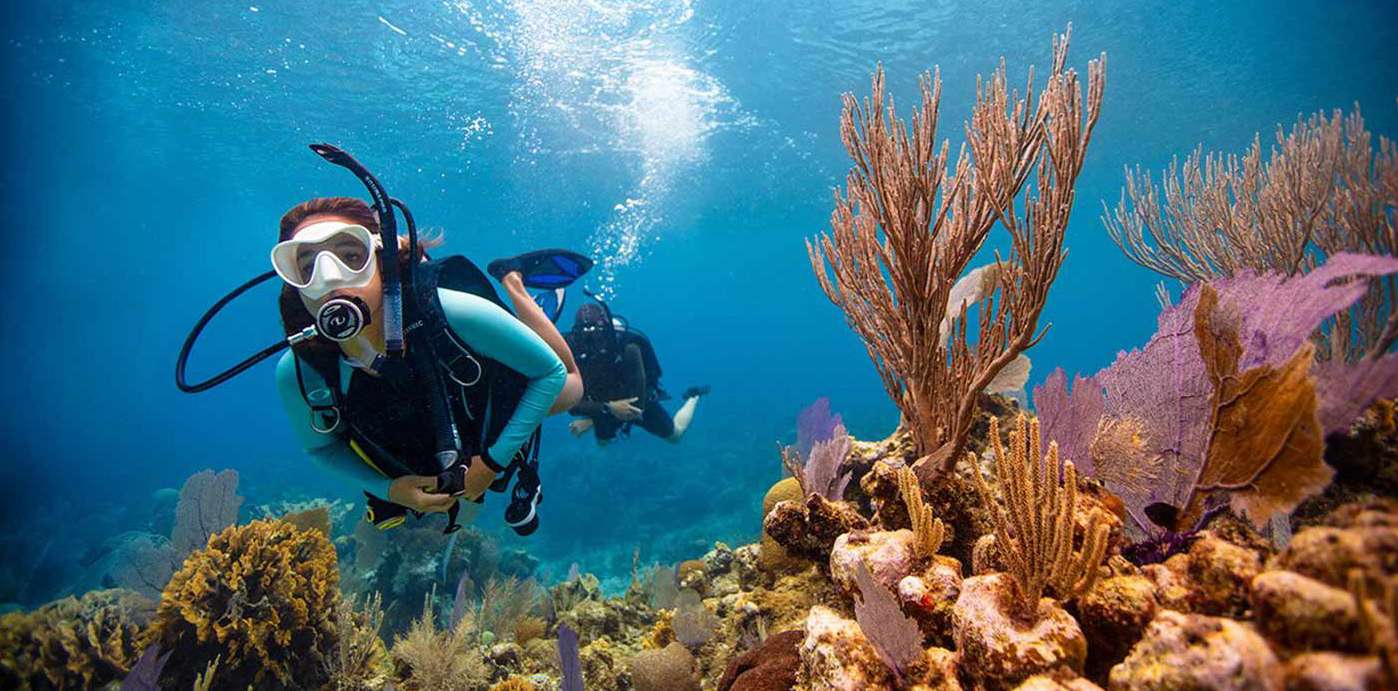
(1334,672)
(1222,574)
(836,656)
(1301,613)
(747,564)
(985,556)
(1044,682)
(931,596)
(1194,651)
(880,484)
(771,666)
(999,649)
(1172,589)
(809,529)
(1363,536)
(592,619)
(887,553)
(1114,615)
(937,671)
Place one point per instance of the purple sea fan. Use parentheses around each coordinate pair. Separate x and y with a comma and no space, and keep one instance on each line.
(824,472)
(145,674)
(1152,441)
(815,424)
(895,636)
(569,662)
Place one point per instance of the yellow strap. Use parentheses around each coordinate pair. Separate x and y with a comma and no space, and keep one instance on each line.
(365,457)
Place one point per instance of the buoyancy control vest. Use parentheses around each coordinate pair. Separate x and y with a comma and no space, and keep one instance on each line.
(392,421)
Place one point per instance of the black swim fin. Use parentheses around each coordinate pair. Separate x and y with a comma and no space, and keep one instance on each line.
(543,269)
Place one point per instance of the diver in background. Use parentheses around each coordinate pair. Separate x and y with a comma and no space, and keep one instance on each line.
(621,380)
(506,372)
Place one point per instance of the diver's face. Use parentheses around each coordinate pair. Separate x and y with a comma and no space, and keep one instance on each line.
(371,293)
(594,340)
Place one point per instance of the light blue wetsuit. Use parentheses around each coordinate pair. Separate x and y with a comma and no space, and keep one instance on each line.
(488,330)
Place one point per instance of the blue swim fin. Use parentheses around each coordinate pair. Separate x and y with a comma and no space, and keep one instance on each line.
(543,269)
(551,302)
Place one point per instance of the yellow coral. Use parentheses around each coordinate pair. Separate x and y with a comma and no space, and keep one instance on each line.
(73,643)
(1034,530)
(928,532)
(774,557)
(662,633)
(431,660)
(529,628)
(514,684)
(262,595)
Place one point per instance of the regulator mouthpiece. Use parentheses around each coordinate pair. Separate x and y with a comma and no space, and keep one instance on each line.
(341,319)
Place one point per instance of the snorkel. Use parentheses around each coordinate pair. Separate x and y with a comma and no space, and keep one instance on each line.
(341,318)
(343,310)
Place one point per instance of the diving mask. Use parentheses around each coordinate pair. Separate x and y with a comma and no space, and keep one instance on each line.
(326,256)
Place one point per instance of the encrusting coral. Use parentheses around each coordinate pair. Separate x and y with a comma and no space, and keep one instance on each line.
(1034,530)
(261,595)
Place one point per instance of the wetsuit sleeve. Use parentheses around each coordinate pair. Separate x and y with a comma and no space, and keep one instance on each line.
(498,335)
(634,371)
(329,450)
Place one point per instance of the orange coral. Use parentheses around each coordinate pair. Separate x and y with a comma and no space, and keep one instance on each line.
(73,643)
(263,596)
(514,684)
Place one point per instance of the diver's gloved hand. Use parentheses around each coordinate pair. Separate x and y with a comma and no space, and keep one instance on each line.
(420,493)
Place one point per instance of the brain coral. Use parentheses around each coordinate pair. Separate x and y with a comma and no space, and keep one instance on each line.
(260,595)
(73,643)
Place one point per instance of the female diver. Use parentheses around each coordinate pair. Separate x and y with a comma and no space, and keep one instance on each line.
(357,411)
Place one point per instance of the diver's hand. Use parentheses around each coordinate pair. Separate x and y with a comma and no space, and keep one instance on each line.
(418,492)
(580,426)
(623,409)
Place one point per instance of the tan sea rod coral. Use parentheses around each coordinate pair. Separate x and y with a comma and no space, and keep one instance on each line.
(907,226)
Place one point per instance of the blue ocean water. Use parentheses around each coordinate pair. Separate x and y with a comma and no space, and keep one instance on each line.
(689,145)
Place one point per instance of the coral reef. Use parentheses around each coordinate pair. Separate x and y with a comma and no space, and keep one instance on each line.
(999,646)
(263,596)
(84,642)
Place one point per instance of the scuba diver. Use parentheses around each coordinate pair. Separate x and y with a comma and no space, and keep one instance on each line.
(410,373)
(621,379)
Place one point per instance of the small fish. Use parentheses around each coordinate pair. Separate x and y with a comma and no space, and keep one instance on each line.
(1163,514)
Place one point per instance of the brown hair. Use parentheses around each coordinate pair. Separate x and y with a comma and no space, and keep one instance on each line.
(293,312)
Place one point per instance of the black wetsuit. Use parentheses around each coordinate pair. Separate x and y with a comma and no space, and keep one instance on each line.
(619,378)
